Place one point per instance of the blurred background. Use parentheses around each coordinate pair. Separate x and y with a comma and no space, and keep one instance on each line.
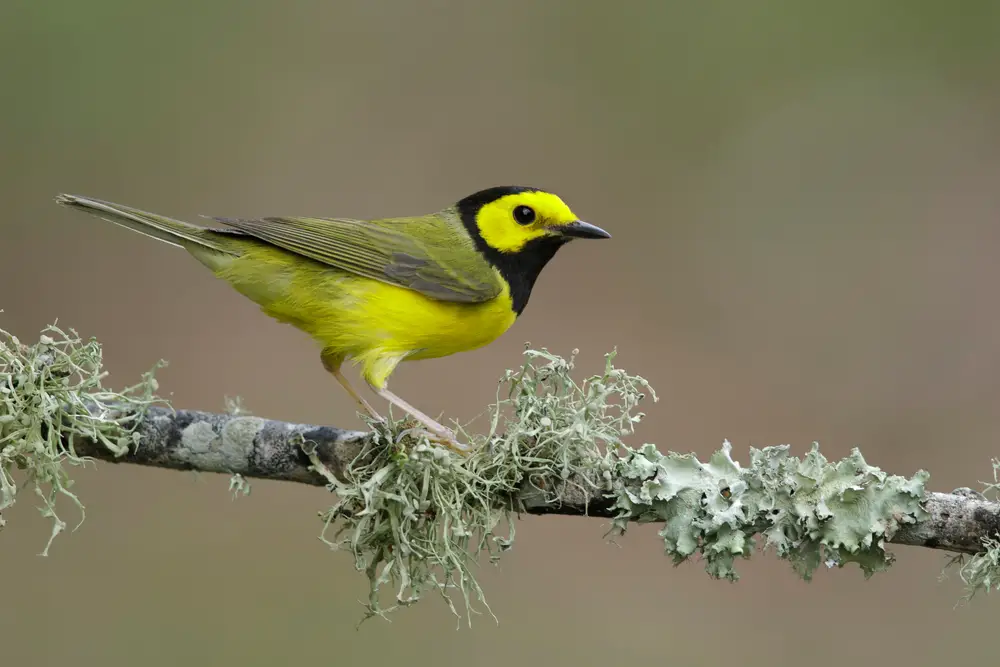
(805,209)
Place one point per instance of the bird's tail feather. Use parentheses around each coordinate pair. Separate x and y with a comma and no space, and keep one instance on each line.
(168,230)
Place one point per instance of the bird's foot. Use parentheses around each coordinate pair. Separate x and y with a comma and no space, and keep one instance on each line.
(436,433)
(446,438)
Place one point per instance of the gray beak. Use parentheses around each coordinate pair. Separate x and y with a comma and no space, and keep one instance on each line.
(583,230)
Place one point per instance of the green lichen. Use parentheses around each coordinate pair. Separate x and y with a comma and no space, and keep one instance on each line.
(51,394)
(809,510)
(417,517)
(238,484)
(981,572)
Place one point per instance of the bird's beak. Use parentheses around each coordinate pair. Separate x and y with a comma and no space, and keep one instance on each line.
(583,230)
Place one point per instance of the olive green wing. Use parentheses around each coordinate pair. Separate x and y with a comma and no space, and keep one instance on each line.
(432,254)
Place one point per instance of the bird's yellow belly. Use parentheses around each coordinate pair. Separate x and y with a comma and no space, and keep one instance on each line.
(403,320)
(373,323)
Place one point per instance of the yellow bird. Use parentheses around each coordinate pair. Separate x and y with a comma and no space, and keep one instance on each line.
(378,292)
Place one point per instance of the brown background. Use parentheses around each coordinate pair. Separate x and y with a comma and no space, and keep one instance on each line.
(804,205)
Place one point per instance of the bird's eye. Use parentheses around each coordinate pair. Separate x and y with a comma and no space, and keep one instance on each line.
(524,215)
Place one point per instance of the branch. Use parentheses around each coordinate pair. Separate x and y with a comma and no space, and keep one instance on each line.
(266,449)
(234,445)
(416,516)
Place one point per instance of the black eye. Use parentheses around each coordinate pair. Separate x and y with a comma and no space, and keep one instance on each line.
(525,215)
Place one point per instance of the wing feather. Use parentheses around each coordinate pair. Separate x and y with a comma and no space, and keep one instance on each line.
(431,254)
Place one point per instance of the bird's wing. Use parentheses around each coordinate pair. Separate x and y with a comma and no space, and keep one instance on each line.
(433,254)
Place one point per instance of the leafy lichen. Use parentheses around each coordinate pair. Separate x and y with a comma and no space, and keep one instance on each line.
(51,393)
(809,510)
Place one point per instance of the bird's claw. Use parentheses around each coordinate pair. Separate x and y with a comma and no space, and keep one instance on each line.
(446,438)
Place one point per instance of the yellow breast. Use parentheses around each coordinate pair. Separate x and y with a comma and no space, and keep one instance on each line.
(373,323)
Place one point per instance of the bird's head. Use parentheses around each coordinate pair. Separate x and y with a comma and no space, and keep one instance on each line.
(519,230)
(513,219)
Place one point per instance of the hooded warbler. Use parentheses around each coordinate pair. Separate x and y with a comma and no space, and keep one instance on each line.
(378,292)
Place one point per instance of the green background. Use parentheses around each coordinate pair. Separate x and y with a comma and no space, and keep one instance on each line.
(804,204)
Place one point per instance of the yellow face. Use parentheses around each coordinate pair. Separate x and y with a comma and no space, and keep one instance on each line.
(507,224)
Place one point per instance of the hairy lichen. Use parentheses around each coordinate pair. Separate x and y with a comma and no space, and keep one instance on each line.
(417,516)
(981,572)
(51,393)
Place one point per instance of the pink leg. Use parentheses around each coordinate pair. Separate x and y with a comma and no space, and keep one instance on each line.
(442,434)
(332,364)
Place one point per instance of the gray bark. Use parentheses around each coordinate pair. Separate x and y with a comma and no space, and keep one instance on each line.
(266,449)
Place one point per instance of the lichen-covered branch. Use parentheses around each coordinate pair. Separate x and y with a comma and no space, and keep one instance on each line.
(234,445)
(266,449)
(416,516)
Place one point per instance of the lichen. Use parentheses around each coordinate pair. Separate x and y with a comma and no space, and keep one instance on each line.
(416,516)
(238,484)
(981,572)
(52,393)
(809,510)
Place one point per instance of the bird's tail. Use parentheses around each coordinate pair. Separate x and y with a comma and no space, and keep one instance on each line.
(168,230)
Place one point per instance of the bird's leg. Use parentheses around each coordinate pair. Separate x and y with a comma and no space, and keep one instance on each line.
(332,365)
(441,434)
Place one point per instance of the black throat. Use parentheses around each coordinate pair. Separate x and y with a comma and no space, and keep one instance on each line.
(520,269)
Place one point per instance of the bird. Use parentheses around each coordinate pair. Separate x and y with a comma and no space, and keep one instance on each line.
(382,291)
